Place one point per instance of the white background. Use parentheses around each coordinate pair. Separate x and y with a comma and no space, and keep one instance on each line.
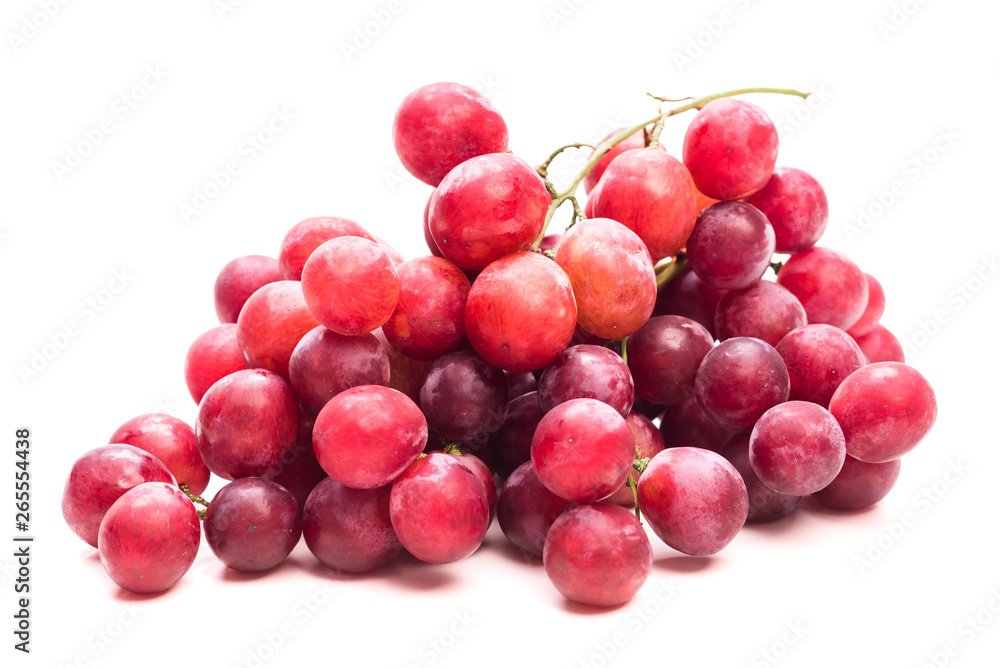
(558,73)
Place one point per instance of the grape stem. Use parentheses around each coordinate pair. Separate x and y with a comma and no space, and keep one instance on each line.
(635,496)
(195,499)
(558,198)
(668,271)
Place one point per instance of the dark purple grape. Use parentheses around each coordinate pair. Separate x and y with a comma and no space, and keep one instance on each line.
(349,529)
(687,424)
(587,372)
(739,380)
(664,356)
(731,245)
(463,397)
(689,296)
(520,383)
(766,505)
(526,509)
(510,446)
(859,484)
(252,524)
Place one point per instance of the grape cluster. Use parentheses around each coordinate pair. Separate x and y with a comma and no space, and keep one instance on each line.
(639,361)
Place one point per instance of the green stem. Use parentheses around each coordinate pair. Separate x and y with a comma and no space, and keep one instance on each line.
(195,499)
(611,142)
(635,496)
(624,350)
(543,169)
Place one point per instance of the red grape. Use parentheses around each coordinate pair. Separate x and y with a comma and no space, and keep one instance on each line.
(310,234)
(428,237)
(818,359)
(526,509)
(439,509)
(271,324)
(252,524)
(731,245)
(429,318)
(694,500)
(873,310)
(149,538)
(829,285)
(885,410)
(301,471)
(765,311)
(483,473)
(405,374)
(795,204)
(880,345)
(349,529)
(730,148)
(797,448)
(99,478)
(687,424)
(649,192)
(441,125)
(597,554)
(486,208)
(766,505)
(213,355)
(238,280)
(365,436)
(521,313)
(587,372)
(648,443)
(739,380)
(612,277)
(350,285)
(170,440)
(325,364)
(859,484)
(664,357)
(583,450)
(247,425)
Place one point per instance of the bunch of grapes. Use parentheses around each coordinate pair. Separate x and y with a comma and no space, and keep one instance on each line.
(640,365)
